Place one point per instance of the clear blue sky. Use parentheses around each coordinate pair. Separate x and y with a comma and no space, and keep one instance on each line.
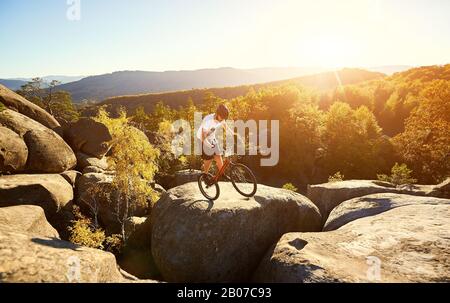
(37,39)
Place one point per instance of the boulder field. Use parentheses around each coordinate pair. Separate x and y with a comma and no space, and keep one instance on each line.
(406,243)
(329,195)
(195,240)
(43,149)
(349,231)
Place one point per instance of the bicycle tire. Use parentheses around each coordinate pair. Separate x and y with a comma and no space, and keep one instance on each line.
(202,182)
(250,179)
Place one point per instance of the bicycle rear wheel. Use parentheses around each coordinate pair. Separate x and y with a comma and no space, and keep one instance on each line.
(243,180)
(210,191)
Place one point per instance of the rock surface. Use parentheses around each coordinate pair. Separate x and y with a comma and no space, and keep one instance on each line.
(51,192)
(28,219)
(329,195)
(405,244)
(370,205)
(19,104)
(136,257)
(186,176)
(47,151)
(89,136)
(96,189)
(71,176)
(13,151)
(84,161)
(28,258)
(195,240)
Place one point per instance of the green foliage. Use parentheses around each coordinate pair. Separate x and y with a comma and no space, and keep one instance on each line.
(337,177)
(168,162)
(114,244)
(360,130)
(400,174)
(2,107)
(57,103)
(84,233)
(134,161)
(290,186)
(62,107)
(353,141)
(425,143)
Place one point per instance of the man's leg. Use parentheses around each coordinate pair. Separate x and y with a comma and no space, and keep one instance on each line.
(219,161)
(206,165)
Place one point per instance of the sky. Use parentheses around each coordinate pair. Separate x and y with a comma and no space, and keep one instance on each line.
(45,37)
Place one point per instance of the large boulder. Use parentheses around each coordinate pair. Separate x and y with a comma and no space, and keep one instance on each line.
(89,136)
(32,258)
(370,205)
(51,192)
(136,257)
(405,244)
(95,192)
(329,195)
(47,151)
(84,161)
(13,151)
(196,240)
(71,176)
(19,104)
(28,219)
(186,176)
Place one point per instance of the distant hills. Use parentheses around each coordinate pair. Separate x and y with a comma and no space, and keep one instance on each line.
(48,79)
(121,83)
(322,82)
(12,84)
(140,82)
(390,69)
(16,83)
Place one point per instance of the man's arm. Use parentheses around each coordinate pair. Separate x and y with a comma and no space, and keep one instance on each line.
(204,134)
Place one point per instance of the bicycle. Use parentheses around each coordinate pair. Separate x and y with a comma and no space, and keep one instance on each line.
(241,177)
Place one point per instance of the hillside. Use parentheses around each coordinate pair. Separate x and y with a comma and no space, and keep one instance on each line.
(139,82)
(322,82)
(12,84)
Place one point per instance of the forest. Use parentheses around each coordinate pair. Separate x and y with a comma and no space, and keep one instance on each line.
(354,131)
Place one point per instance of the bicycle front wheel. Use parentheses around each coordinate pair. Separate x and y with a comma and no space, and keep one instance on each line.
(210,191)
(243,180)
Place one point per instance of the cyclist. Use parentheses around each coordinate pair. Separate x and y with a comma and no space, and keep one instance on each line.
(207,135)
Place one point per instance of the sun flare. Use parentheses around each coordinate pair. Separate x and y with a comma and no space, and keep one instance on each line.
(333,51)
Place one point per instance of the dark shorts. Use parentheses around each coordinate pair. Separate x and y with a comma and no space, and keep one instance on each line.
(209,153)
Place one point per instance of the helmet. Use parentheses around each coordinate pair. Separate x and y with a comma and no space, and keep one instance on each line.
(223,111)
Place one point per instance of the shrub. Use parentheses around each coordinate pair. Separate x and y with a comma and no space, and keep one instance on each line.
(290,186)
(336,177)
(2,107)
(400,174)
(82,232)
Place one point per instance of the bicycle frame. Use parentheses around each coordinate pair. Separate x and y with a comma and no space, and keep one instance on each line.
(226,163)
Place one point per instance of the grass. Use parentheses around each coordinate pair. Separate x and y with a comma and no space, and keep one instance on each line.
(2,107)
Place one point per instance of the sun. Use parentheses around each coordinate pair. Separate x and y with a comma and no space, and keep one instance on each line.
(334,51)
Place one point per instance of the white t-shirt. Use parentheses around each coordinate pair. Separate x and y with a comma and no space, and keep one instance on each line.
(207,125)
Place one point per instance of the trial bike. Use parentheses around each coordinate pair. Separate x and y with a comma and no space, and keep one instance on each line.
(242,178)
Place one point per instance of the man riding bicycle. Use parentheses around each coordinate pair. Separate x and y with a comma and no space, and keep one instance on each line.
(241,177)
(207,135)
